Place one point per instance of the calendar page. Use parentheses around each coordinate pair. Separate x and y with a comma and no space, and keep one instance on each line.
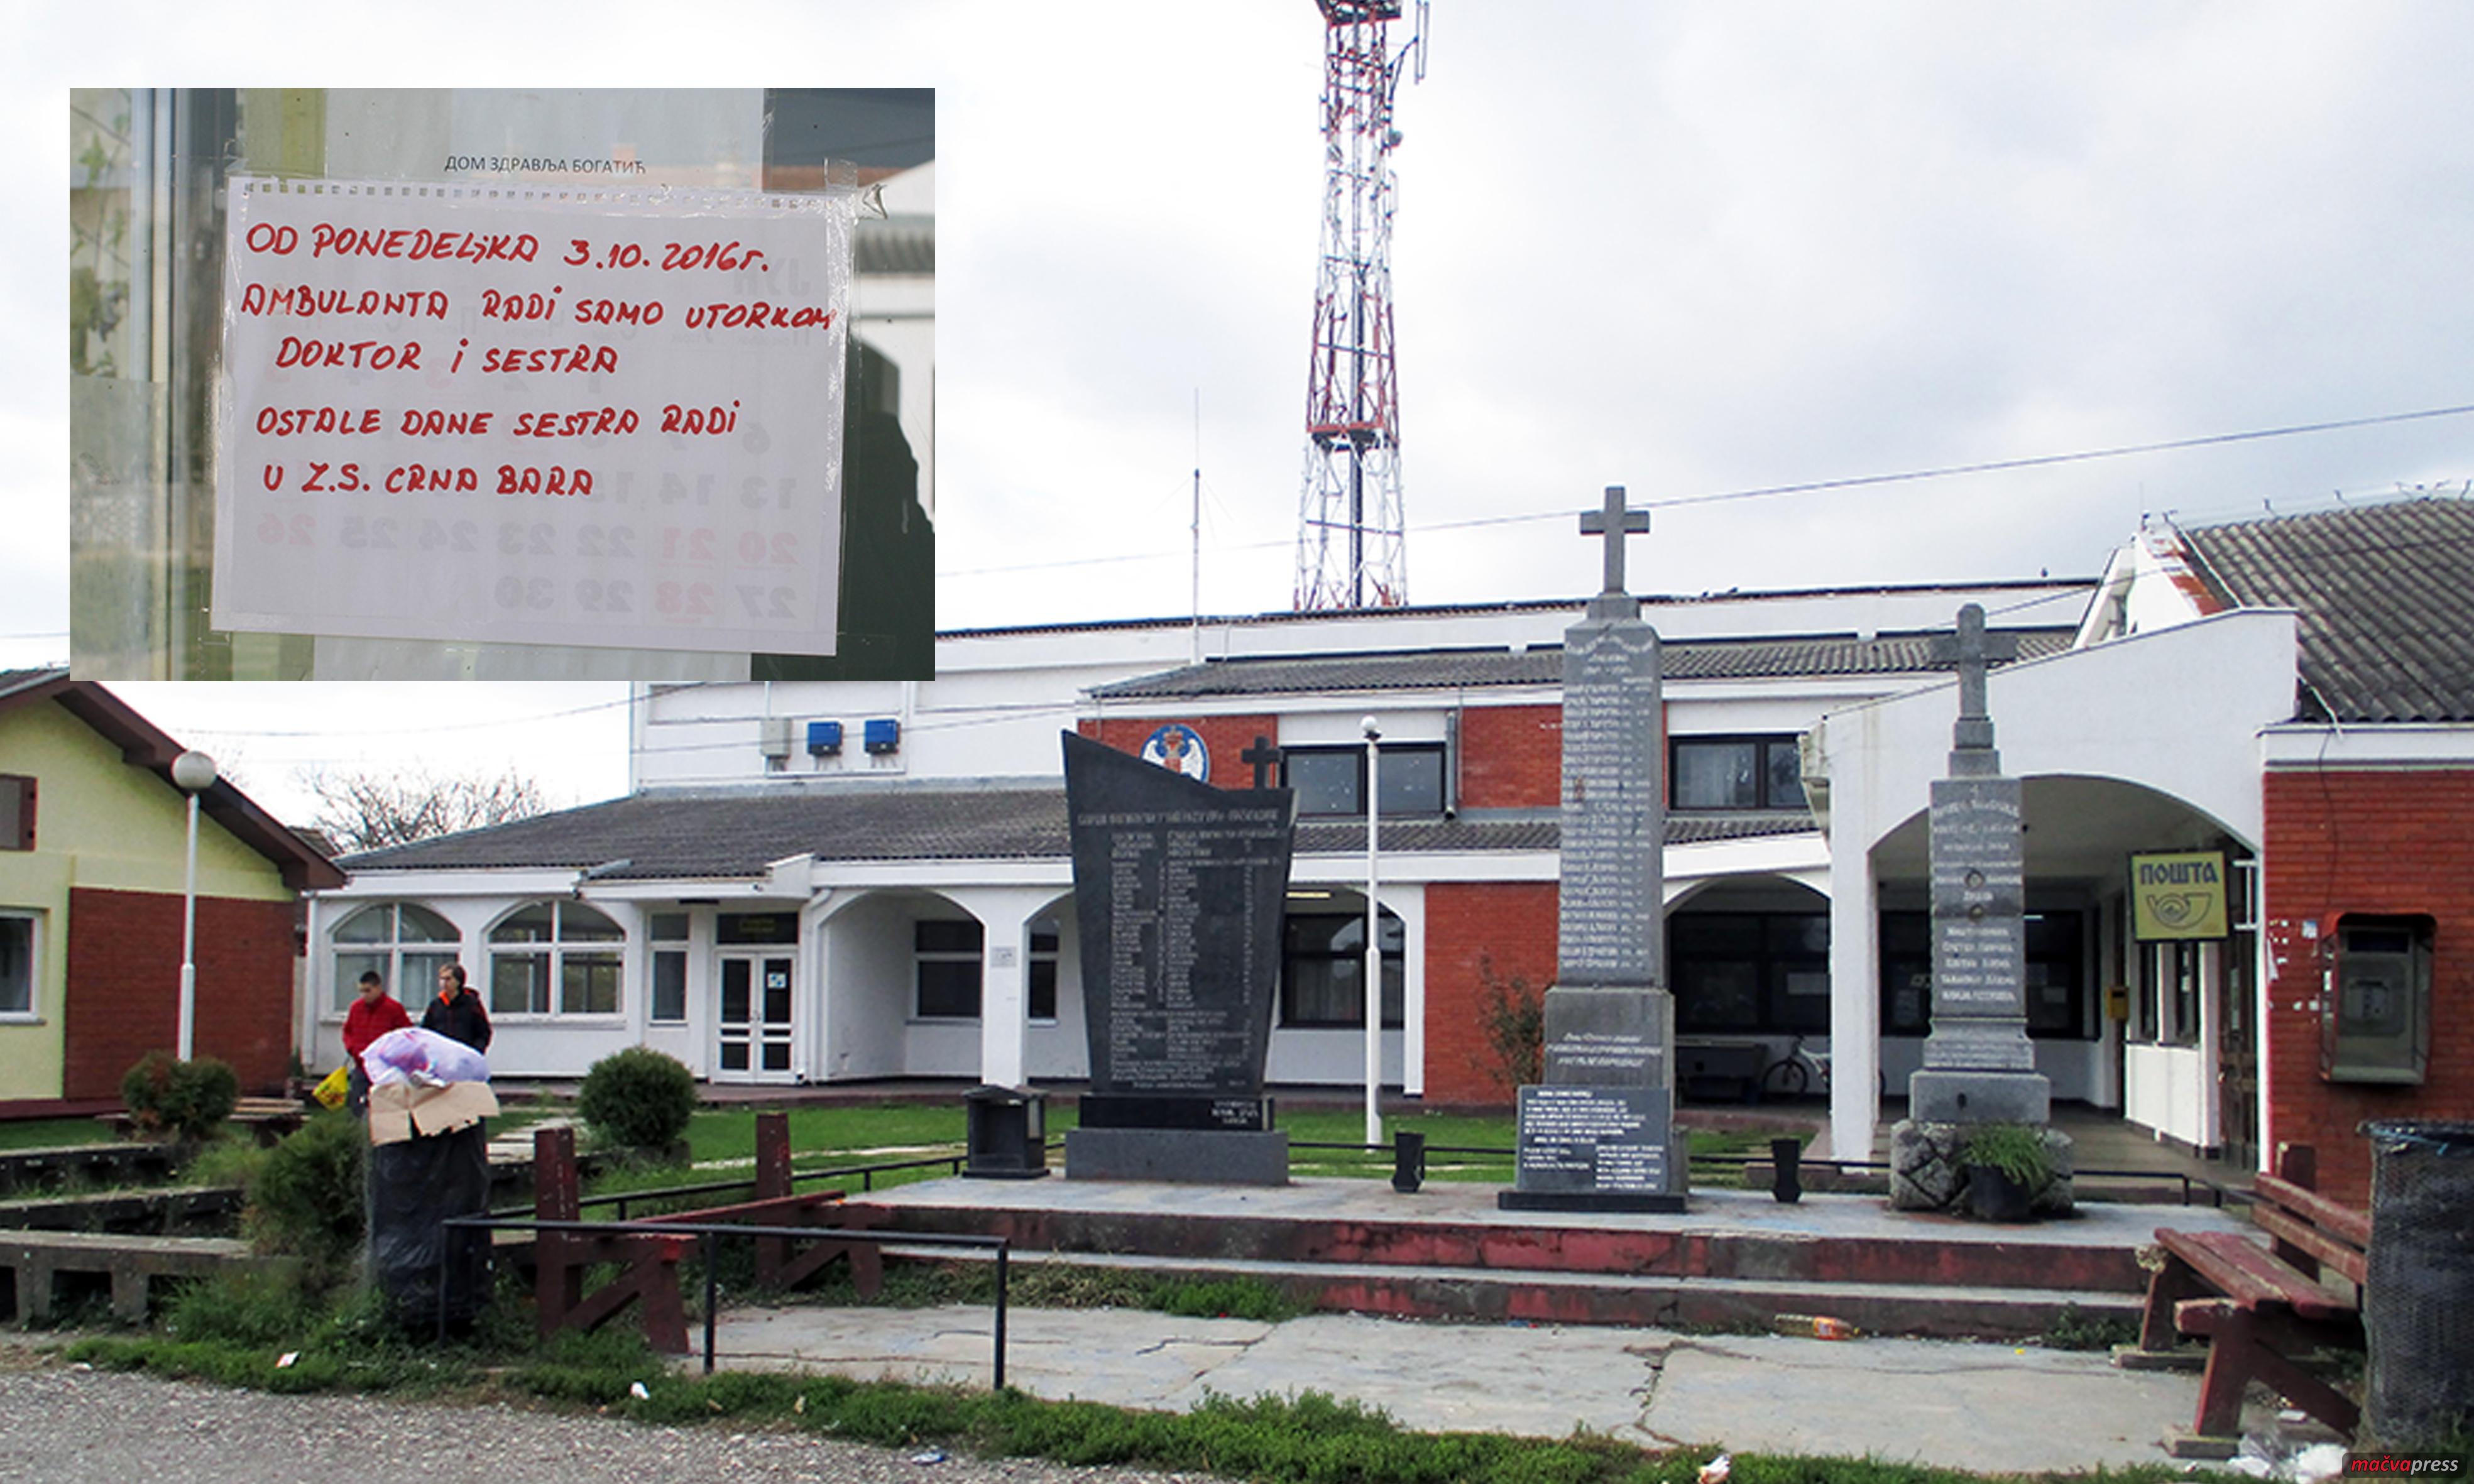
(533,414)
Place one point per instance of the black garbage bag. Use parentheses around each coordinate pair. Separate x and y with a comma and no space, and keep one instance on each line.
(415,1184)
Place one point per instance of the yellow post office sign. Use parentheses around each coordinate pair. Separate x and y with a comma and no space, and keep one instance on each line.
(2181,895)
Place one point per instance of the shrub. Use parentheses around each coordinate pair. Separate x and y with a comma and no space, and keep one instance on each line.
(1512,1019)
(2016,1150)
(638,1097)
(305,1198)
(186,1099)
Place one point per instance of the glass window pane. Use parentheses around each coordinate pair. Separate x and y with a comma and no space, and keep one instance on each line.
(1040,992)
(949,988)
(737,974)
(532,924)
(1715,775)
(418,924)
(1322,992)
(588,985)
(1410,780)
(519,983)
(777,1055)
(17,966)
(1043,937)
(670,927)
(1785,775)
(417,983)
(670,986)
(578,923)
(948,937)
(734,1056)
(368,925)
(348,970)
(1327,782)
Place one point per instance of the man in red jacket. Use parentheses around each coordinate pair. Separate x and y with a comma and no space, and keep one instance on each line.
(373,1015)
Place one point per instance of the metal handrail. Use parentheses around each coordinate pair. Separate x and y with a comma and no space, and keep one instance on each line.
(2216,1193)
(705,1233)
(867,1173)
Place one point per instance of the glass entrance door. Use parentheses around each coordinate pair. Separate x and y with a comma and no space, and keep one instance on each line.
(753,1029)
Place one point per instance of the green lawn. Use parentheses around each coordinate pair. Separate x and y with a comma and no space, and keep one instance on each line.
(53,1133)
(879,1132)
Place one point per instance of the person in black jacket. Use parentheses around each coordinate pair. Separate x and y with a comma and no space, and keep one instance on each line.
(458,1011)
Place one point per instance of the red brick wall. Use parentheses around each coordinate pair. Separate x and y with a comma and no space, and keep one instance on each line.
(1224,736)
(1474,930)
(1512,757)
(124,986)
(2372,842)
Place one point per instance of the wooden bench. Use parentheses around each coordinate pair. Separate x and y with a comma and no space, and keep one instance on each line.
(2263,1309)
(41,1257)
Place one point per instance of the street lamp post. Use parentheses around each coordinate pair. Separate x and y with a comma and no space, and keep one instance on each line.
(193,774)
(1373,980)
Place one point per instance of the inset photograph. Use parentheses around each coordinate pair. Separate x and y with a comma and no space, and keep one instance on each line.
(483,384)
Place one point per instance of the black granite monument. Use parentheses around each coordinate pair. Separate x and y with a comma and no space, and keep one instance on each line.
(1599,1134)
(1178,892)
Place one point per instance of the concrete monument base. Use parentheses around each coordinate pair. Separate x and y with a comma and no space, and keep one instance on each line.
(1187,1156)
(1951,1096)
(1929,1169)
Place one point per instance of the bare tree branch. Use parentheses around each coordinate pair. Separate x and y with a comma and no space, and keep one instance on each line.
(367,811)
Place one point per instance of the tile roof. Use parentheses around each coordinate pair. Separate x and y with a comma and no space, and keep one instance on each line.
(738,834)
(1720,659)
(2386,595)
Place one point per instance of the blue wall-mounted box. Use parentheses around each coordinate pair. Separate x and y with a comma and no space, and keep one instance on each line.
(882,735)
(825,738)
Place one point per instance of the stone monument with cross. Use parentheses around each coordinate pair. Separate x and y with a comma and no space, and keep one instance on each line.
(1598,1133)
(1979,1066)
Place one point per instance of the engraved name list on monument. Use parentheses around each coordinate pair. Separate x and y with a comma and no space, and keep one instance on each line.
(1167,1031)
(1610,869)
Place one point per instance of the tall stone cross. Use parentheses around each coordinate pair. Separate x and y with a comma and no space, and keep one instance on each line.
(1974,650)
(1615,522)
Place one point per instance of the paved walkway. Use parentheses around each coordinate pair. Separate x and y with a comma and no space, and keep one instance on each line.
(1987,1407)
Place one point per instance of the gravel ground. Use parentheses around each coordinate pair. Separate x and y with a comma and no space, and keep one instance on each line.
(65,1424)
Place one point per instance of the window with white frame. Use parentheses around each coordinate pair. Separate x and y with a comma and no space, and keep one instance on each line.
(21,960)
(669,939)
(404,943)
(555,958)
(946,955)
(1040,990)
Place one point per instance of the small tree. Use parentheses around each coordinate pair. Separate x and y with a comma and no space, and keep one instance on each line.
(185,1099)
(304,1198)
(1511,1017)
(638,1097)
(368,811)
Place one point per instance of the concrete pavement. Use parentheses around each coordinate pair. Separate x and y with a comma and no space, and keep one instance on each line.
(1984,1407)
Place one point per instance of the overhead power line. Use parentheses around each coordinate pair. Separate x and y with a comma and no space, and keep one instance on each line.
(1820,486)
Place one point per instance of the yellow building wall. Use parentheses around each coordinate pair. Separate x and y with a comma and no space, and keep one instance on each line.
(97,822)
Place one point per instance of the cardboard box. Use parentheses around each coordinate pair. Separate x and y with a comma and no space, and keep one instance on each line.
(400,1110)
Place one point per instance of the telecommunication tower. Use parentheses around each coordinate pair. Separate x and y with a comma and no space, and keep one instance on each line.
(1350,552)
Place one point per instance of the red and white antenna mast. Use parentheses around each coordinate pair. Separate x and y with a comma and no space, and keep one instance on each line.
(1350,552)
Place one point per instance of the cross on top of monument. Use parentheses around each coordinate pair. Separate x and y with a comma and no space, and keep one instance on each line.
(1614,522)
(1974,650)
(1263,756)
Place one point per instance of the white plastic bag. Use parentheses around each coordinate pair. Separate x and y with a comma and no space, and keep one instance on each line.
(415,1054)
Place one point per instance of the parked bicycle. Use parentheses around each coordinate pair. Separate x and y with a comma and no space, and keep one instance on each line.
(1803,1069)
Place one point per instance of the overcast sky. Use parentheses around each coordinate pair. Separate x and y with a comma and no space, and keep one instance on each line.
(1691,249)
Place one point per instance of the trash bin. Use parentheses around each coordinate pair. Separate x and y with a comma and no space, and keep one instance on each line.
(1008,1132)
(2418,1298)
(415,1184)
(1408,1161)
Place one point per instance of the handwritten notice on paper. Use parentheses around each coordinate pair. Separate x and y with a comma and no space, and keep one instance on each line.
(533,414)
